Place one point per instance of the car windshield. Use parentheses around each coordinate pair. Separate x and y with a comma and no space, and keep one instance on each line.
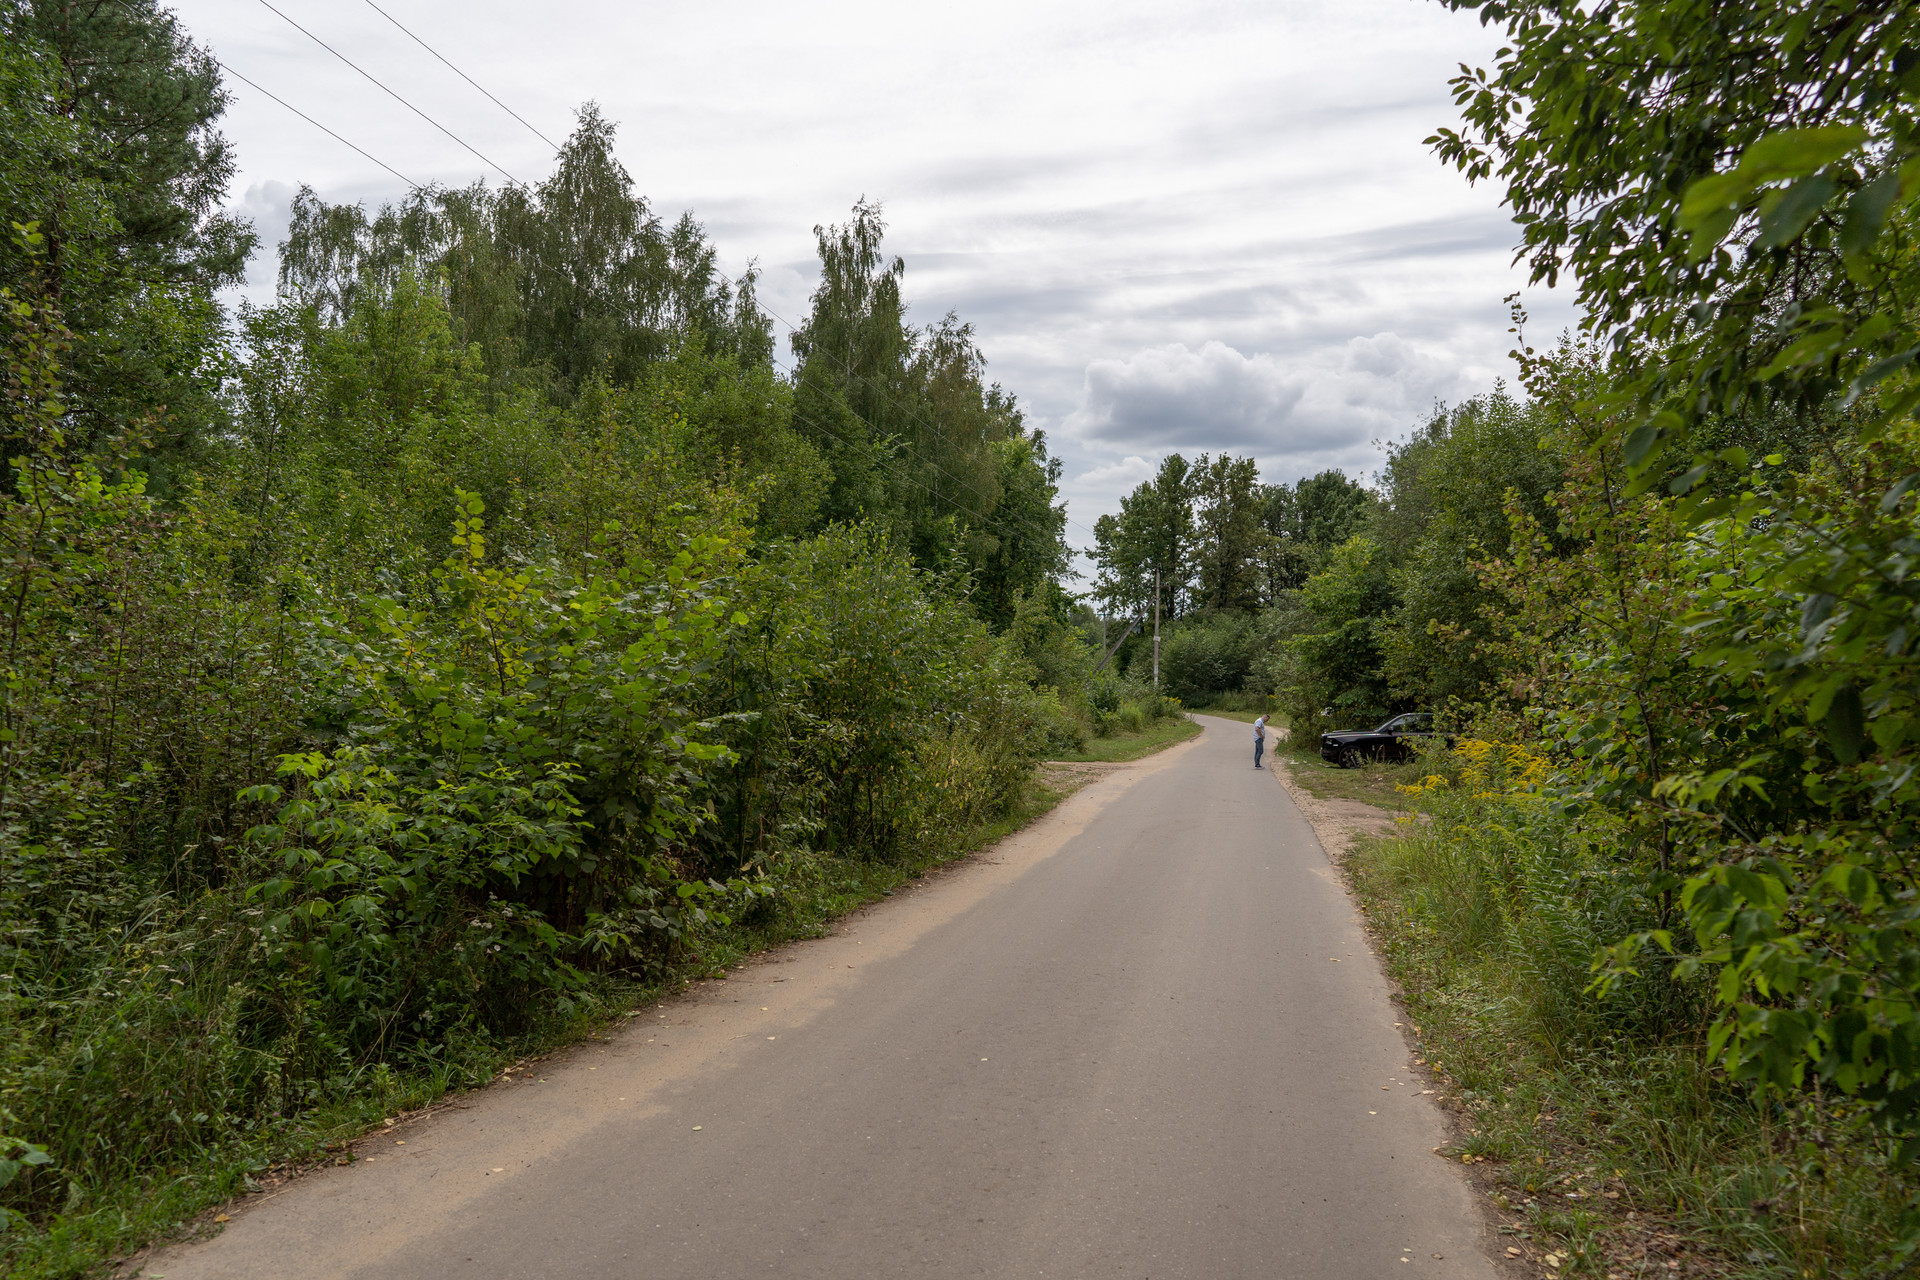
(1406,724)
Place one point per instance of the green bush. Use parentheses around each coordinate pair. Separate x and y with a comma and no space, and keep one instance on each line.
(1492,910)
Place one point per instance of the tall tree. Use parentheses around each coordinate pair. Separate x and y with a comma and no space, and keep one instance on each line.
(1303,522)
(853,352)
(134,243)
(915,435)
(567,283)
(1229,542)
(1152,534)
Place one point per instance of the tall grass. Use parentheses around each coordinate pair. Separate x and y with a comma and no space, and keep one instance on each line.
(1489,912)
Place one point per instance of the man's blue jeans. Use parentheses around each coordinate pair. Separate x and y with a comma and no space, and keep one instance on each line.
(1259,745)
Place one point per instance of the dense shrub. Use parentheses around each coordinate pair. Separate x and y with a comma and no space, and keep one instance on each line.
(1205,657)
(330,771)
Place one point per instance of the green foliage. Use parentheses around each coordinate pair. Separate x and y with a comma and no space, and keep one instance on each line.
(1726,668)
(560,286)
(111,154)
(312,798)
(1229,541)
(1202,658)
(1449,491)
(1729,185)
(1488,912)
(914,437)
(1329,670)
(1152,535)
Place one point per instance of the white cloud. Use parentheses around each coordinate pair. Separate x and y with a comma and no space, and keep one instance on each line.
(1296,416)
(1172,397)
(1099,185)
(269,206)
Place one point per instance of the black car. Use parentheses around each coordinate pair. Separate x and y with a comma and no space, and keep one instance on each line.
(1398,739)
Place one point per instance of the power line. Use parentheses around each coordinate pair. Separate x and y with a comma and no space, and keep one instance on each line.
(316,124)
(463,75)
(981,517)
(723,275)
(390,93)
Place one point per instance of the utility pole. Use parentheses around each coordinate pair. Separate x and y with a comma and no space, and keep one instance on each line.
(1156,631)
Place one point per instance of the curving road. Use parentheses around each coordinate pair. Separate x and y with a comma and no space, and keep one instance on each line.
(1144,1038)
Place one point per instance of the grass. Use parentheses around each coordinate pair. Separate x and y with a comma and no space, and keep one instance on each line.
(1374,784)
(1599,1131)
(128,1215)
(1121,747)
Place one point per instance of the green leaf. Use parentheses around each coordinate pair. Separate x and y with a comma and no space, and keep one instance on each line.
(1846,723)
(1793,153)
(1878,370)
(1814,348)
(1685,481)
(1639,443)
(1712,195)
(1891,498)
(1788,216)
(1867,212)
(1708,231)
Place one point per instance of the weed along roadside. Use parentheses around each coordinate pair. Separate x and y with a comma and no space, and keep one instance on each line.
(1598,1134)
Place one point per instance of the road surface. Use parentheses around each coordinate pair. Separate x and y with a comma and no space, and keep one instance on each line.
(1144,1038)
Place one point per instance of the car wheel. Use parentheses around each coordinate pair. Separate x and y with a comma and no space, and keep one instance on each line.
(1350,758)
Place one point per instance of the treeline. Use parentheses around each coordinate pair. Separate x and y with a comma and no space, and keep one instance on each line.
(387,667)
(1335,598)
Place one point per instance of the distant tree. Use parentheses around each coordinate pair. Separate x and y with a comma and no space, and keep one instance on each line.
(1303,522)
(1228,539)
(1153,531)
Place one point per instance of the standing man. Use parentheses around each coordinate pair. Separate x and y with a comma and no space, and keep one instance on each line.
(1259,738)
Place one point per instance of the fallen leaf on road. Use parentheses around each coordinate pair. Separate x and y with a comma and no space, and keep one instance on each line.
(697,1128)
(222,1217)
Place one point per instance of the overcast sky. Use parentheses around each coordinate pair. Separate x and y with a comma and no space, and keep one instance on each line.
(1196,227)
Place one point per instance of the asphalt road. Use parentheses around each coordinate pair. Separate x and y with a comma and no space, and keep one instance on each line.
(1145,1038)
